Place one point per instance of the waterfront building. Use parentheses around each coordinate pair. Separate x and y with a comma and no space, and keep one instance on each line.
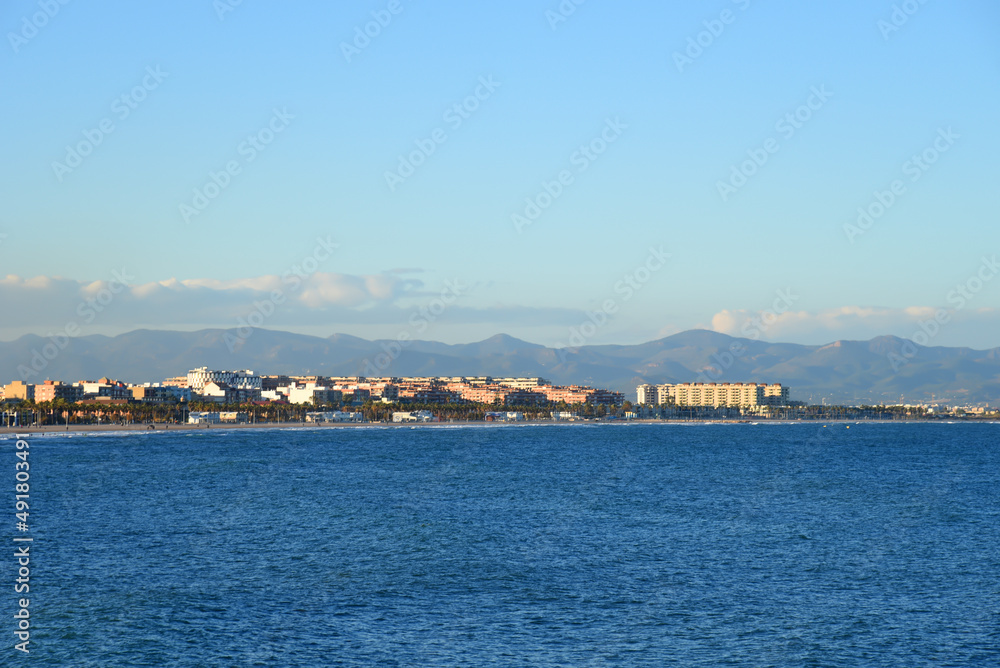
(522,383)
(607,397)
(223,393)
(313,394)
(19,390)
(743,395)
(576,394)
(197,379)
(775,394)
(51,390)
(647,394)
(199,417)
(334,416)
(105,388)
(482,394)
(413,416)
(504,416)
(571,395)
(525,398)
(215,417)
(426,392)
(155,393)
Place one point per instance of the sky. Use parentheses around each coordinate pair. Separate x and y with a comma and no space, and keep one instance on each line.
(569,173)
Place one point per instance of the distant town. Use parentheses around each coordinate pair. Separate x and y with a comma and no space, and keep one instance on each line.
(205,396)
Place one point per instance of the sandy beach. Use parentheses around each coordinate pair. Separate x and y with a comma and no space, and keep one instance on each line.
(78,428)
(145,428)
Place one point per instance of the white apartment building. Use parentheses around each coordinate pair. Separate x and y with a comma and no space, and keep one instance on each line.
(197,379)
(312,394)
(746,395)
(647,394)
(777,393)
(521,383)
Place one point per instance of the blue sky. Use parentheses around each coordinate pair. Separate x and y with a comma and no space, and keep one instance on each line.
(199,80)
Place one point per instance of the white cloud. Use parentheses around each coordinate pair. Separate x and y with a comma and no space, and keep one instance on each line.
(325,301)
(52,301)
(963,327)
(331,302)
(730,322)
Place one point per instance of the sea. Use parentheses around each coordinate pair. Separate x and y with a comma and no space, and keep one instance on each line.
(802,544)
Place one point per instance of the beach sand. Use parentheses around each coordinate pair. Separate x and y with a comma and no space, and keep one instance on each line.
(159,427)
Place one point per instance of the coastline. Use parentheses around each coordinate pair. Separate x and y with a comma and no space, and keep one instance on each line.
(171,428)
(168,428)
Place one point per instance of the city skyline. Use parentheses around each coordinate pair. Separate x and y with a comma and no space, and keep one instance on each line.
(449,172)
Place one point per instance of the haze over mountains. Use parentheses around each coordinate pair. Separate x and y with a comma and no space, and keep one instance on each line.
(885,369)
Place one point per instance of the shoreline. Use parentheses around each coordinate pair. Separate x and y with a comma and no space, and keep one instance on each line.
(170,428)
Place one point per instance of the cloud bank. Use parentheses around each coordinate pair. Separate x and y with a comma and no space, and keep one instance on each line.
(43,304)
(941,326)
(362,304)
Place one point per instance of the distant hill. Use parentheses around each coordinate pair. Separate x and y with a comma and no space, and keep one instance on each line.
(853,372)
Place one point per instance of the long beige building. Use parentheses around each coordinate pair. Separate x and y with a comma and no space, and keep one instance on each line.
(714,394)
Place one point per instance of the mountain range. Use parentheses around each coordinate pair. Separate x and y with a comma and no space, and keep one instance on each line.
(885,369)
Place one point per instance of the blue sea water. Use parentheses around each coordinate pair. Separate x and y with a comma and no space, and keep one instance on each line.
(613,545)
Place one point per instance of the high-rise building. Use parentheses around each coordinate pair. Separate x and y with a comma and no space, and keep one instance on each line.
(745,395)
